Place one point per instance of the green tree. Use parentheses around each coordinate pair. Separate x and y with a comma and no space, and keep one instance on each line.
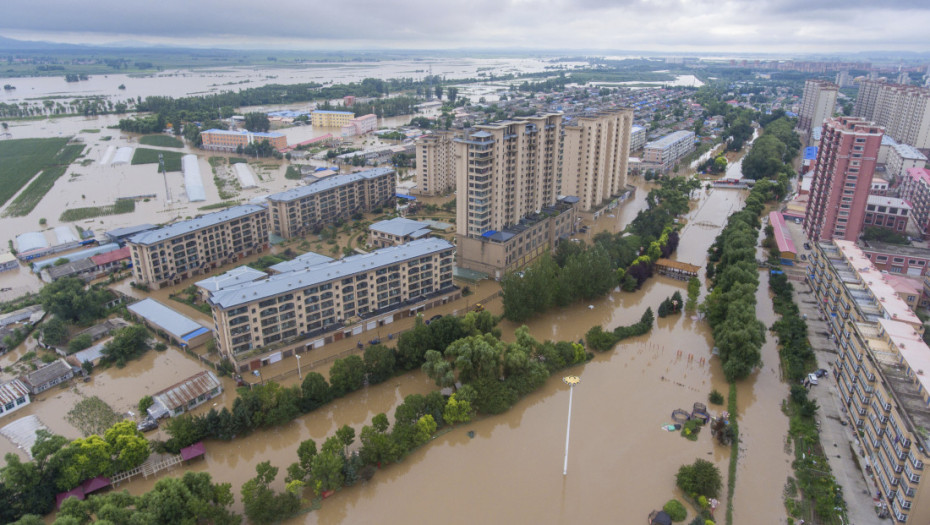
(425,428)
(127,444)
(439,369)
(413,344)
(79,342)
(145,403)
(457,411)
(453,93)
(127,343)
(261,503)
(327,471)
(438,91)
(346,436)
(701,478)
(54,331)
(257,122)
(347,375)
(379,363)
(68,299)
(315,392)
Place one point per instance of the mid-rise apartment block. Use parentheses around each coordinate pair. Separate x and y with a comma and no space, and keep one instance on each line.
(396,231)
(915,188)
(360,125)
(595,152)
(330,301)
(508,206)
(167,255)
(330,119)
(225,140)
(817,105)
(663,153)
(435,159)
(880,374)
(902,157)
(890,213)
(904,111)
(842,178)
(637,138)
(300,210)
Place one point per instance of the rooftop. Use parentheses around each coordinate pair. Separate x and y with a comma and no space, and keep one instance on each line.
(670,139)
(782,235)
(321,273)
(130,230)
(76,256)
(176,324)
(49,372)
(906,151)
(333,112)
(880,292)
(11,391)
(236,276)
(272,134)
(401,227)
(115,255)
(70,268)
(301,262)
(205,221)
(179,394)
(897,249)
(327,184)
(894,202)
(919,174)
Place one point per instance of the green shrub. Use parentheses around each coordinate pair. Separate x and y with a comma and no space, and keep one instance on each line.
(675,510)
(716,397)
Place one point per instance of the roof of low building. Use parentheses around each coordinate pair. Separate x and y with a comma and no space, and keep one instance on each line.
(236,276)
(181,393)
(894,202)
(119,233)
(301,262)
(184,227)
(174,323)
(12,390)
(49,372)
(782,235)
(70,268)
(401,227)
(109,257)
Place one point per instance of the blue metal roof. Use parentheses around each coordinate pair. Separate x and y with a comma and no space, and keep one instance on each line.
(810,153)
(408,197)
(176,324)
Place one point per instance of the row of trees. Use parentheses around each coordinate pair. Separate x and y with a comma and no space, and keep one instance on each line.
(578,271)
(59,465)
(772,153)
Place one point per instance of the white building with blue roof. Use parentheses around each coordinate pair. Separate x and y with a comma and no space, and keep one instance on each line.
(180,329)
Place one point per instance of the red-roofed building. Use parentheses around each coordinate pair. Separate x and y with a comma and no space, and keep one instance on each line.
(915,189)
(110,261)
(782,237)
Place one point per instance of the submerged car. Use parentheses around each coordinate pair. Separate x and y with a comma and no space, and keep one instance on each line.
(147,424)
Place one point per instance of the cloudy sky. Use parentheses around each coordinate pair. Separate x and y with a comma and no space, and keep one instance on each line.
(732,26)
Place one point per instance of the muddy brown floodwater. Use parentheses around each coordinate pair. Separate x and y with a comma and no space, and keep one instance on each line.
(621,465)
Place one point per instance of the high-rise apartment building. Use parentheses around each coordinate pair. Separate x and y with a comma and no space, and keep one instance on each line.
(595,152)
(842,178)
(508,208)
(167,255)
(301,209)
(435,166)
(817,105)
(904,111)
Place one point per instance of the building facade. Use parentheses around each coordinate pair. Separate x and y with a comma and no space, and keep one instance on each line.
(890,213)
(817,104)
(360,125)
(327,300)
(637,138)
(842,179)
(225,140)
(170,254)
(904,111)
(915,189)
(902,157)
(396,231)
(330,119)
(435,158)
(299,210)
(879,374)
(662,154)
(595,153)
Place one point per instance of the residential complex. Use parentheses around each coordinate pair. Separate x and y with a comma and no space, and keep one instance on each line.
(817,105)
(301,209)
(331,119)
(915,189)
(890,213)
(331,300)
(842,178)
(167,255)
(904,111)
(880,374)
(435,164)
(225,140)
(595,152)
(508,207)
(662,154)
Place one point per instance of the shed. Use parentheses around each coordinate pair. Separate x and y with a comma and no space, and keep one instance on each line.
(13,396)
(194,451)
(193,183)
(65,235)
(79,268)
(8,261)
(245,175)
(95,484)
(181,397)
(26,242)
(181,329)
(40,380)
(76,492)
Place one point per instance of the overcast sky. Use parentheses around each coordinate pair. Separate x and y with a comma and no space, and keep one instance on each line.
(733,26)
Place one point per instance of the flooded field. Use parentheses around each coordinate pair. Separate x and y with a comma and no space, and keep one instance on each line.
(621,463)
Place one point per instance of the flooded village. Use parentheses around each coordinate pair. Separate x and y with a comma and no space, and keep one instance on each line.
(256,270)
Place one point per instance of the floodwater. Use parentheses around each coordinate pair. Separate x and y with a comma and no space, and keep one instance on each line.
(621,462)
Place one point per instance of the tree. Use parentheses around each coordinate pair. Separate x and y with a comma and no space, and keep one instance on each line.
(425,428)
(315,392)
(326,471)
(457,411)
(54,331)
(413,344)
(453,94)
(347,375)
(127,444)
(79,342)
(346,436)
(82,459)
(379,363)
(701,478)
(438,91)
(261,503)
(68,299)
(439,369)
(257,122)
(145,403)
(127,343)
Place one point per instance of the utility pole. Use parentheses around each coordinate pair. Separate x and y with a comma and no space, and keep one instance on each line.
(164,173)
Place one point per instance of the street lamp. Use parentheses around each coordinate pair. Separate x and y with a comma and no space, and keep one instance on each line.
(299,377)
(571,381)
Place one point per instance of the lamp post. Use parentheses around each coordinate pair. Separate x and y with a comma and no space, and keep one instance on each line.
(571,381)
(299,377)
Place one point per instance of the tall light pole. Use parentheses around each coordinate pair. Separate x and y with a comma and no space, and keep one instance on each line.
(571,381)
(299,377)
